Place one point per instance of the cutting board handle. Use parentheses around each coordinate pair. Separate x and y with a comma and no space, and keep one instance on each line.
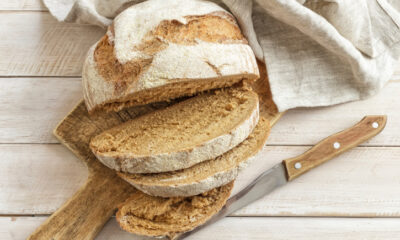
(334,145)
(84,214)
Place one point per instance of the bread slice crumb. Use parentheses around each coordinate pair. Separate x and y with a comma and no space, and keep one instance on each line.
(205,175)
(155,216)
(181,135)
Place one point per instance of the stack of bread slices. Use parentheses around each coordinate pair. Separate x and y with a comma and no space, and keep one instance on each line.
(182,158)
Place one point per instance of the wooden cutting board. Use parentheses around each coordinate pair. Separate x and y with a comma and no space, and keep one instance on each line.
(85,213)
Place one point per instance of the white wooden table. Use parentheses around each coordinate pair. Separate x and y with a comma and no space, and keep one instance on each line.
(356,196)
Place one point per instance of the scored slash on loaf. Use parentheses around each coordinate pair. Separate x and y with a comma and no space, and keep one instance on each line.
(158,50)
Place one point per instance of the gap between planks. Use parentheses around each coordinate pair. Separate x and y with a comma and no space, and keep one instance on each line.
(231,216)
(266,145)
(244,228)
(19,11)
(30,108)
(360,183)
(29,77)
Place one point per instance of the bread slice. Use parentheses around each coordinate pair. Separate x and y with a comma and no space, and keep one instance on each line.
(206,175)
(155,216)
(181,135)
(186,48)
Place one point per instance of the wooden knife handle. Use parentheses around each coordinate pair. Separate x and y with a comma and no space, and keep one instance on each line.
(334,145)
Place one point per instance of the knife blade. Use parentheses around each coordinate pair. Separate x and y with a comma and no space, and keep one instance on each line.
(292,168)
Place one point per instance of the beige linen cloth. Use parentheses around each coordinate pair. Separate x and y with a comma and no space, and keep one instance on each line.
(317,52)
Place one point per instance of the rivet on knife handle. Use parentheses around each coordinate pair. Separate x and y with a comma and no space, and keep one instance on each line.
(334,145)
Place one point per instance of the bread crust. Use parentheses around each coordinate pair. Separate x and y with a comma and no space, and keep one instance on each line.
(194,188)
(149,53)
(165,162)
(149,219)
(198,186)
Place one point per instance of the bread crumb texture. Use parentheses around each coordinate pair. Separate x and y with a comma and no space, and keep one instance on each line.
(168,91)
(155,216)
(180,127)
(201,171)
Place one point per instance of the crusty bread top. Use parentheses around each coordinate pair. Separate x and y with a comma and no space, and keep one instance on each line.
(159,42)
(183,134)
(135,23)
(155,216)
(199,172)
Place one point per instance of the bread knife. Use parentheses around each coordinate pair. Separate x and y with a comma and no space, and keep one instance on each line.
(292,168)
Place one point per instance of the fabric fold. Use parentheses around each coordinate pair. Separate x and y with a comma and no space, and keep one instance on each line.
(317,52)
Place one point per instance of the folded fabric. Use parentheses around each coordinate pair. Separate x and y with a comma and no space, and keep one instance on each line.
(317,52)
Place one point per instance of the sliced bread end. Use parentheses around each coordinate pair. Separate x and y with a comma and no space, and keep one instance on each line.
(155,216)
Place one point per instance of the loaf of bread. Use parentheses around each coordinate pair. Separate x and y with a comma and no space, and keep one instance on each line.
(206,175)
(155,216)
(181,135)
(159,50)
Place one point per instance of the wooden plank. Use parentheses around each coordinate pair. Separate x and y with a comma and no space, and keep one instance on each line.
(86,212)
(22,5)
(29,112)
(283,228)
(13,228)
(334,145)
(30,108)
(35,44)
(36,178)
(307,126)
(363,182)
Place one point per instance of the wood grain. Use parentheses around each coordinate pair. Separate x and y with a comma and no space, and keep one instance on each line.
(306,126)
(35,44)
(362,182)
(37,178)
(24,122)
(29,111)
(22,5)
(84,214)
(282,228)
(334,145)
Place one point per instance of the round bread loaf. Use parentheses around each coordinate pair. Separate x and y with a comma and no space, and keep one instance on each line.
(159,50)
